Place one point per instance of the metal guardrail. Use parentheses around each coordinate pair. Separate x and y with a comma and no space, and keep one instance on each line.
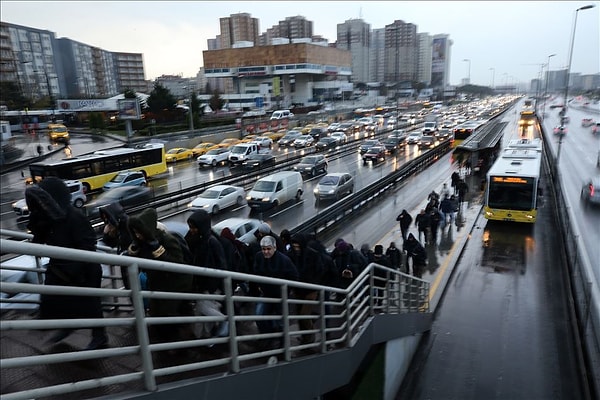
(339,321)
(583,285)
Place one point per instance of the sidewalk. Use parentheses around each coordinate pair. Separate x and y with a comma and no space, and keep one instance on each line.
(451,239)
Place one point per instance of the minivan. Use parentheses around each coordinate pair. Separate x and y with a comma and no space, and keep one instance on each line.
(281,114)
(275,189)
(239,153)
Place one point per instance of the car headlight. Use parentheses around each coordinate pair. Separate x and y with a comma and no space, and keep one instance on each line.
(316,191)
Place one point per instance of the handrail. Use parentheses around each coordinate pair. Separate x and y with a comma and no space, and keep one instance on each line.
(339,319)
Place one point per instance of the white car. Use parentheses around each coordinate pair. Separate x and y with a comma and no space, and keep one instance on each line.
(413,137)
(214,157)
(217,198)
(340,137)
(242,228)
(333,126)
(263,142)
(303,141)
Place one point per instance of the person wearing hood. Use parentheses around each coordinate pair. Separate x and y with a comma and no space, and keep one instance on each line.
(416,252)
(115,233)
(207,252)
(150,242)
(55,222)
(311,270)
(348,262)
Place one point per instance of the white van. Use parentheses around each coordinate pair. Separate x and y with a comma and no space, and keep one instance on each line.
(239,153)
(275,189)
(281,114)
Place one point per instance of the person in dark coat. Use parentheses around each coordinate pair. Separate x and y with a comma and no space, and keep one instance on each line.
(115,233)
(55,222)
(208,252)
(435,219)
(348,262)
(156,244)
(271,262)
(405,220)
(423,223)
(417,254)
(462,189)
(454,178)
(394,255)
(380,284)
(310,267)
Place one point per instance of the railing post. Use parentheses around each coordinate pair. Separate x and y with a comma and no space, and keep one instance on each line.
(323,320)
(285,315)
(230,312)
(141,327)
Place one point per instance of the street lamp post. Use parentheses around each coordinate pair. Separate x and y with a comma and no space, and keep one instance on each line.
(469,71)
(547,79)
(567,75)
(191,111)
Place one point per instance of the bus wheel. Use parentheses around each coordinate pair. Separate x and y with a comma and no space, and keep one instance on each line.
(86,188)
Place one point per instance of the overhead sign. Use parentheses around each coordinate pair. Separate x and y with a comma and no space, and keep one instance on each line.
(87,105)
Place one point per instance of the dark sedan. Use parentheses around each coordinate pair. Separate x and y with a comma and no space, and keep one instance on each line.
(127,196)
(325,144)
(256,161)
(375,154)
(312,164)
(428,142)
(367,144)
(392,144)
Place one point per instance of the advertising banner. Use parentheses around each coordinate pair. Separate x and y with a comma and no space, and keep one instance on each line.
(129,109)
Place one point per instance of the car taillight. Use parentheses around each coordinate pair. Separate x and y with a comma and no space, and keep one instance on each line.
(591,190)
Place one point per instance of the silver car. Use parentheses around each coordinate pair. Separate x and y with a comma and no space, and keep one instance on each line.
(334,186)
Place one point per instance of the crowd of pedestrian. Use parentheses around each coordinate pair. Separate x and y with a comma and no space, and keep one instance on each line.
(298,257)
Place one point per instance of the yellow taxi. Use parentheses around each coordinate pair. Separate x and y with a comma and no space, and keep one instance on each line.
(202,148)
(275,136)
(226,143)
(58,132)
(178,154)
(306,129)
(248,138)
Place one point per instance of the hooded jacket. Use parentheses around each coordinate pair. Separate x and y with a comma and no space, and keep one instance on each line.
(207,250)
(159,280)
(55,222)
(115,215)
(306,259)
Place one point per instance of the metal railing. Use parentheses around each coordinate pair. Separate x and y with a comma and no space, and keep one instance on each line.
(339,317)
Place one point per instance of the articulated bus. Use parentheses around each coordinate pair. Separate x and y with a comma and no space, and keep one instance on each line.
(512,183)
(94,170)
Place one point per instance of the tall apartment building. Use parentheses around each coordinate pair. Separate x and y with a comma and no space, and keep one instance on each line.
(355,35)
(44,65)
(424,62)
(29,60)
(377,55)
(401,52)
(291,28)
(238,28)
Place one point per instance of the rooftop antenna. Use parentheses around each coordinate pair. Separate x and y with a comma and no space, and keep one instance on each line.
(360,13)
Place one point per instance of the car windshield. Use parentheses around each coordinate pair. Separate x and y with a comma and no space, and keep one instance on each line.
(210,194)
(264,186)
(119,178)
(370,142)
(173,151)
(212,152)
(309,160)
(329,181)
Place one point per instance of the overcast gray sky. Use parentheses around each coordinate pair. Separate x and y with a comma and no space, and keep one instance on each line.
(512,37)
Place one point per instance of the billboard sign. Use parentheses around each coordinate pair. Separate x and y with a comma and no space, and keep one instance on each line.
(129,109)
